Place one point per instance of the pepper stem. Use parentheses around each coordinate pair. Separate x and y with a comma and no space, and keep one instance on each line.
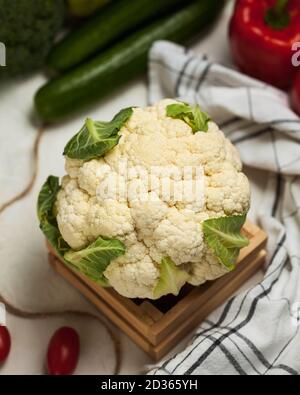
(278,16)
(280,6)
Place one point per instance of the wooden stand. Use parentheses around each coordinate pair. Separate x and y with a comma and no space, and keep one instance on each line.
(157,326)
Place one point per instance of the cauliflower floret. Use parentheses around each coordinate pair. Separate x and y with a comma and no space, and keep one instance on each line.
(209,268)
(133,275)
(91,174)
(72,207)
(227,193)
(151,223)
(73,166)
(178,236)
(147,215)
(82,218)
(109,219)
(232,155)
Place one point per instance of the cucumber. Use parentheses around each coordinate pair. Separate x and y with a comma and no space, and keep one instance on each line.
(118,65)
(109,25)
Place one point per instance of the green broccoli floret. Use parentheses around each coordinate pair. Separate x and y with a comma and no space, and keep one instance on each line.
(27,29)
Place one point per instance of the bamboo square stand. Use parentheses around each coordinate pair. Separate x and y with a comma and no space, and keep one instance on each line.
(157,326)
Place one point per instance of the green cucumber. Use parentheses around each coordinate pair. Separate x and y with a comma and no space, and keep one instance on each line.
(111,24)
(118,65)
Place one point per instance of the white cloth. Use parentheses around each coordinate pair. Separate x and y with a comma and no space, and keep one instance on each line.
(256,332)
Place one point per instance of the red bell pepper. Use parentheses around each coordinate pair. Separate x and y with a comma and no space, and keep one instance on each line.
(262,34)
(295,95)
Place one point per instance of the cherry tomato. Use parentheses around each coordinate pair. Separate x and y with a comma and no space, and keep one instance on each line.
(295,95)
(5,343)
(63,352)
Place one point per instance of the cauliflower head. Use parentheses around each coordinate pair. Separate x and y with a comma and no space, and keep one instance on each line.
(165,241)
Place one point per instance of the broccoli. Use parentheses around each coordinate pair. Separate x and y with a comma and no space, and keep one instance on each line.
(27,29)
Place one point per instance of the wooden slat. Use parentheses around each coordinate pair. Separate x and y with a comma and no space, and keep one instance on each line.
(200,295)
(258,240)
(154,331)
(124,306)
(181,331)
(152,311)
(183,328)
(101,305)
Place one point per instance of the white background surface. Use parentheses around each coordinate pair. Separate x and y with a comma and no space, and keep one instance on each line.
(25,278)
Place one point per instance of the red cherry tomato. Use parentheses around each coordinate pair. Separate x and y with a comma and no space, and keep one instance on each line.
(63,352)
(295,95)
(5,343)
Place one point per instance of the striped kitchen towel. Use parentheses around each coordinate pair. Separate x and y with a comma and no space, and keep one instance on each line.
(256,332)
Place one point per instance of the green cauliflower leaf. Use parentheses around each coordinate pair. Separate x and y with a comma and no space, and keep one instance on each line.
(95,139)
(171,279)
(192,115)
(94,259)
(223,236)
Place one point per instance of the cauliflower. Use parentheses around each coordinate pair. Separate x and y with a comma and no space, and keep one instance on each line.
(130,194)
